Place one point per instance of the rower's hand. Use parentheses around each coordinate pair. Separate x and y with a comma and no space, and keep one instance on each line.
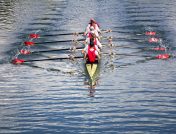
(109,30)
(85,58)
(85,34)
(83,51)
(100,53)
(71,57)
(85,42)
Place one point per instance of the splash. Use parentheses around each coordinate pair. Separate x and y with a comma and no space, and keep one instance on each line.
(159,49)
(25,50)
(153,40)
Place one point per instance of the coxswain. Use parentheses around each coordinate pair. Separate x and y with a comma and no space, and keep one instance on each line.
(94,24)
(91,53)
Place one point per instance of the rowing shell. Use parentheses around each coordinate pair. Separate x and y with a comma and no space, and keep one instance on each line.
(92,70)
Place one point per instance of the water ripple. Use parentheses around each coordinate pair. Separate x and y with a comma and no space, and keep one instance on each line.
(136,95)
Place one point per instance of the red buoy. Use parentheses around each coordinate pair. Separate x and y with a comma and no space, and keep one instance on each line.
(34,36)
(150,33)
(29,43)
(163,56)
(153,40)
(25,52)
(17,61)
(159,48)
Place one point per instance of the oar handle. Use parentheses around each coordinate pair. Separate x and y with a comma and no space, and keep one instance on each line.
(106,31)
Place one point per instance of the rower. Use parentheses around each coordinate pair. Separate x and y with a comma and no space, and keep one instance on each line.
(91,53)
(92,30)
(94,24)
(88,41)
(91,35)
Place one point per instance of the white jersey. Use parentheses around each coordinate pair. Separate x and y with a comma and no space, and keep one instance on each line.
(96,50)
(96,28)
(93,32)
(97,41)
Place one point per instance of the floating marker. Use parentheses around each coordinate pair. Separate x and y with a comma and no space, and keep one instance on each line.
(34,36)
(153,40)
(17,61)
(25,52)
(29,43)
(159,49)
(163,56)
(150,33)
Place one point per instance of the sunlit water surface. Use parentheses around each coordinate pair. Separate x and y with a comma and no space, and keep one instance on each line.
(135,93)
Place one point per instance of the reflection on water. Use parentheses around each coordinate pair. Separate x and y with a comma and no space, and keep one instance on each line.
(134,91)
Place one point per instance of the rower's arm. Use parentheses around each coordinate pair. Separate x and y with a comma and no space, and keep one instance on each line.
(97,54)
(85,56)
(84,51)
(98,57)
(98,29)
(85,42)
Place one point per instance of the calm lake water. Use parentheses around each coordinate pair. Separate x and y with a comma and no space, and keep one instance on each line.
(135,94)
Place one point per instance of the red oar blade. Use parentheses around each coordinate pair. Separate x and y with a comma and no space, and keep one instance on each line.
(29,43)
(35,36)
(150,33)
(25,52)
(163,56)
(18,61)
(153,40)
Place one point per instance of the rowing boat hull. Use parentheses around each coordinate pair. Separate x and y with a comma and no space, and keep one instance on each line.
(92,70)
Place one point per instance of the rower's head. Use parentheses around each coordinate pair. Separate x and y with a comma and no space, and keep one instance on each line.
(92,21)
(91,42)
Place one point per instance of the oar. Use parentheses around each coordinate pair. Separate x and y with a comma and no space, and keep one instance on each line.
(63,58)
(74,33)
(106,31)
(102,32)
(21,61)
(159,48)
(49,42)
(82,41)
(123,46)
(133,55)
(56,50)
(27,52)
(124,54)
(60,34)
(153,41)
(159,56)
